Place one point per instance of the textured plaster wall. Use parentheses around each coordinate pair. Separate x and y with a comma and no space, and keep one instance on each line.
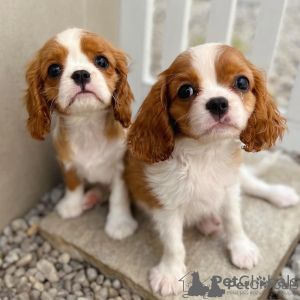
(28,168)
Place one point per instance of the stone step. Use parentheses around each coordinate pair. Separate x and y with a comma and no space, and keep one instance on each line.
(274,230)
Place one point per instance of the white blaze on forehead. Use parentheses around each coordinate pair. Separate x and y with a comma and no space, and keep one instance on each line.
(203,60)
(70,39)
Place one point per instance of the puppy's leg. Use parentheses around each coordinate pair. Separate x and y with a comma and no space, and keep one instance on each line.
(209,225)
(277,194)
(71,206)
(244,253)
(120,223)
(164,277)
(92,197)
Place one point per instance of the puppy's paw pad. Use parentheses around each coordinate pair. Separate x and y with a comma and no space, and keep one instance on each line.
(208,226)
(92,198)
(166,281)
(244,253)
(120,228)
(67,209)
(284,196)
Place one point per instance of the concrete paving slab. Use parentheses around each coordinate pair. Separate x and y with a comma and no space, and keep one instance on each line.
(274,230)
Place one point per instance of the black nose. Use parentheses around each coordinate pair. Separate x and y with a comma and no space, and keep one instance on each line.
(81,77)
(217,106)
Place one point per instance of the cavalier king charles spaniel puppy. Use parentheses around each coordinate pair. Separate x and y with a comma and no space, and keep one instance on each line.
(83,79)
(187,143)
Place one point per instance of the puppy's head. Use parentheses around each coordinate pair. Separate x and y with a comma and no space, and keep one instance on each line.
(76,72)
(210,92)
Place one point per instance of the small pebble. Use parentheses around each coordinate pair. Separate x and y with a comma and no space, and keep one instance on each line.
(34,294)
(112,293)
(126,297)
(76,287)
(91,274)
(48,270)
(53,292)
(103,293)
(24,260)
(54,253)
(11,258)
(46,296)
(34,220)
(38,286)
(19,272)
(11,269)
(68,285)
(64,258)
(9,281)
(23,296)
(33,229)
(286,271)
(7,231)
(46,247)
(100,279)
(40,276)
(80,277)
(19,224)
(116,284)
(107,283)
(136,297)
(67,268)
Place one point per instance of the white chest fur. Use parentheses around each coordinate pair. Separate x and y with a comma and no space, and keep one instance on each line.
(95,157)
(195,179)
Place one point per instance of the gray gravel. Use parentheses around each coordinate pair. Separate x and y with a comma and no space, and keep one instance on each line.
(30,269)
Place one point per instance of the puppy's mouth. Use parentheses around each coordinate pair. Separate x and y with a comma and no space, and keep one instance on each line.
(223,125)
(82,94)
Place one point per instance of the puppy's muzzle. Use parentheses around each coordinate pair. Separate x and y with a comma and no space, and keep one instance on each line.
(81,78)
(217,106)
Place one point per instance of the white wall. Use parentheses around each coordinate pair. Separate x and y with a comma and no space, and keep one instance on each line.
(29,168)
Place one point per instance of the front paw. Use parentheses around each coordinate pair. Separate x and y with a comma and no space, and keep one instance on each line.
(68,208)
(165,279)
(120,227)
(283,196)
(244,253)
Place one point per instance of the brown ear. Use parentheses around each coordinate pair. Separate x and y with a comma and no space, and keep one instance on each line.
(265,124)
(151,136)
(122,96)
(39,120)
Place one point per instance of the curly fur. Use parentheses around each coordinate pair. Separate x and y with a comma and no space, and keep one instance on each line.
(265,124)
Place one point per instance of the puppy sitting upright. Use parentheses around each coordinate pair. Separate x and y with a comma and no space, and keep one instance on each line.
(83,78)
(186,143)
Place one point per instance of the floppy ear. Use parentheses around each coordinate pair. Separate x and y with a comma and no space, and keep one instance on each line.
(122,96)
(151,136)
(265,125)
(39,120)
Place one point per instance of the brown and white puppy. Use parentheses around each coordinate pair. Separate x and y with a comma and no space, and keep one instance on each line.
(187,145)
(83,79)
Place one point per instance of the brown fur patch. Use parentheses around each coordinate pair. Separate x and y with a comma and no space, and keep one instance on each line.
(163,115)
(115,75)
(71,178)
(265,124)
(113,129)
(137,183)
(42,91)
(61,143)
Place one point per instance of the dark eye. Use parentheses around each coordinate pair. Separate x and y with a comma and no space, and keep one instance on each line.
(101,62)
(54,71)
(185,91)
(242,84)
